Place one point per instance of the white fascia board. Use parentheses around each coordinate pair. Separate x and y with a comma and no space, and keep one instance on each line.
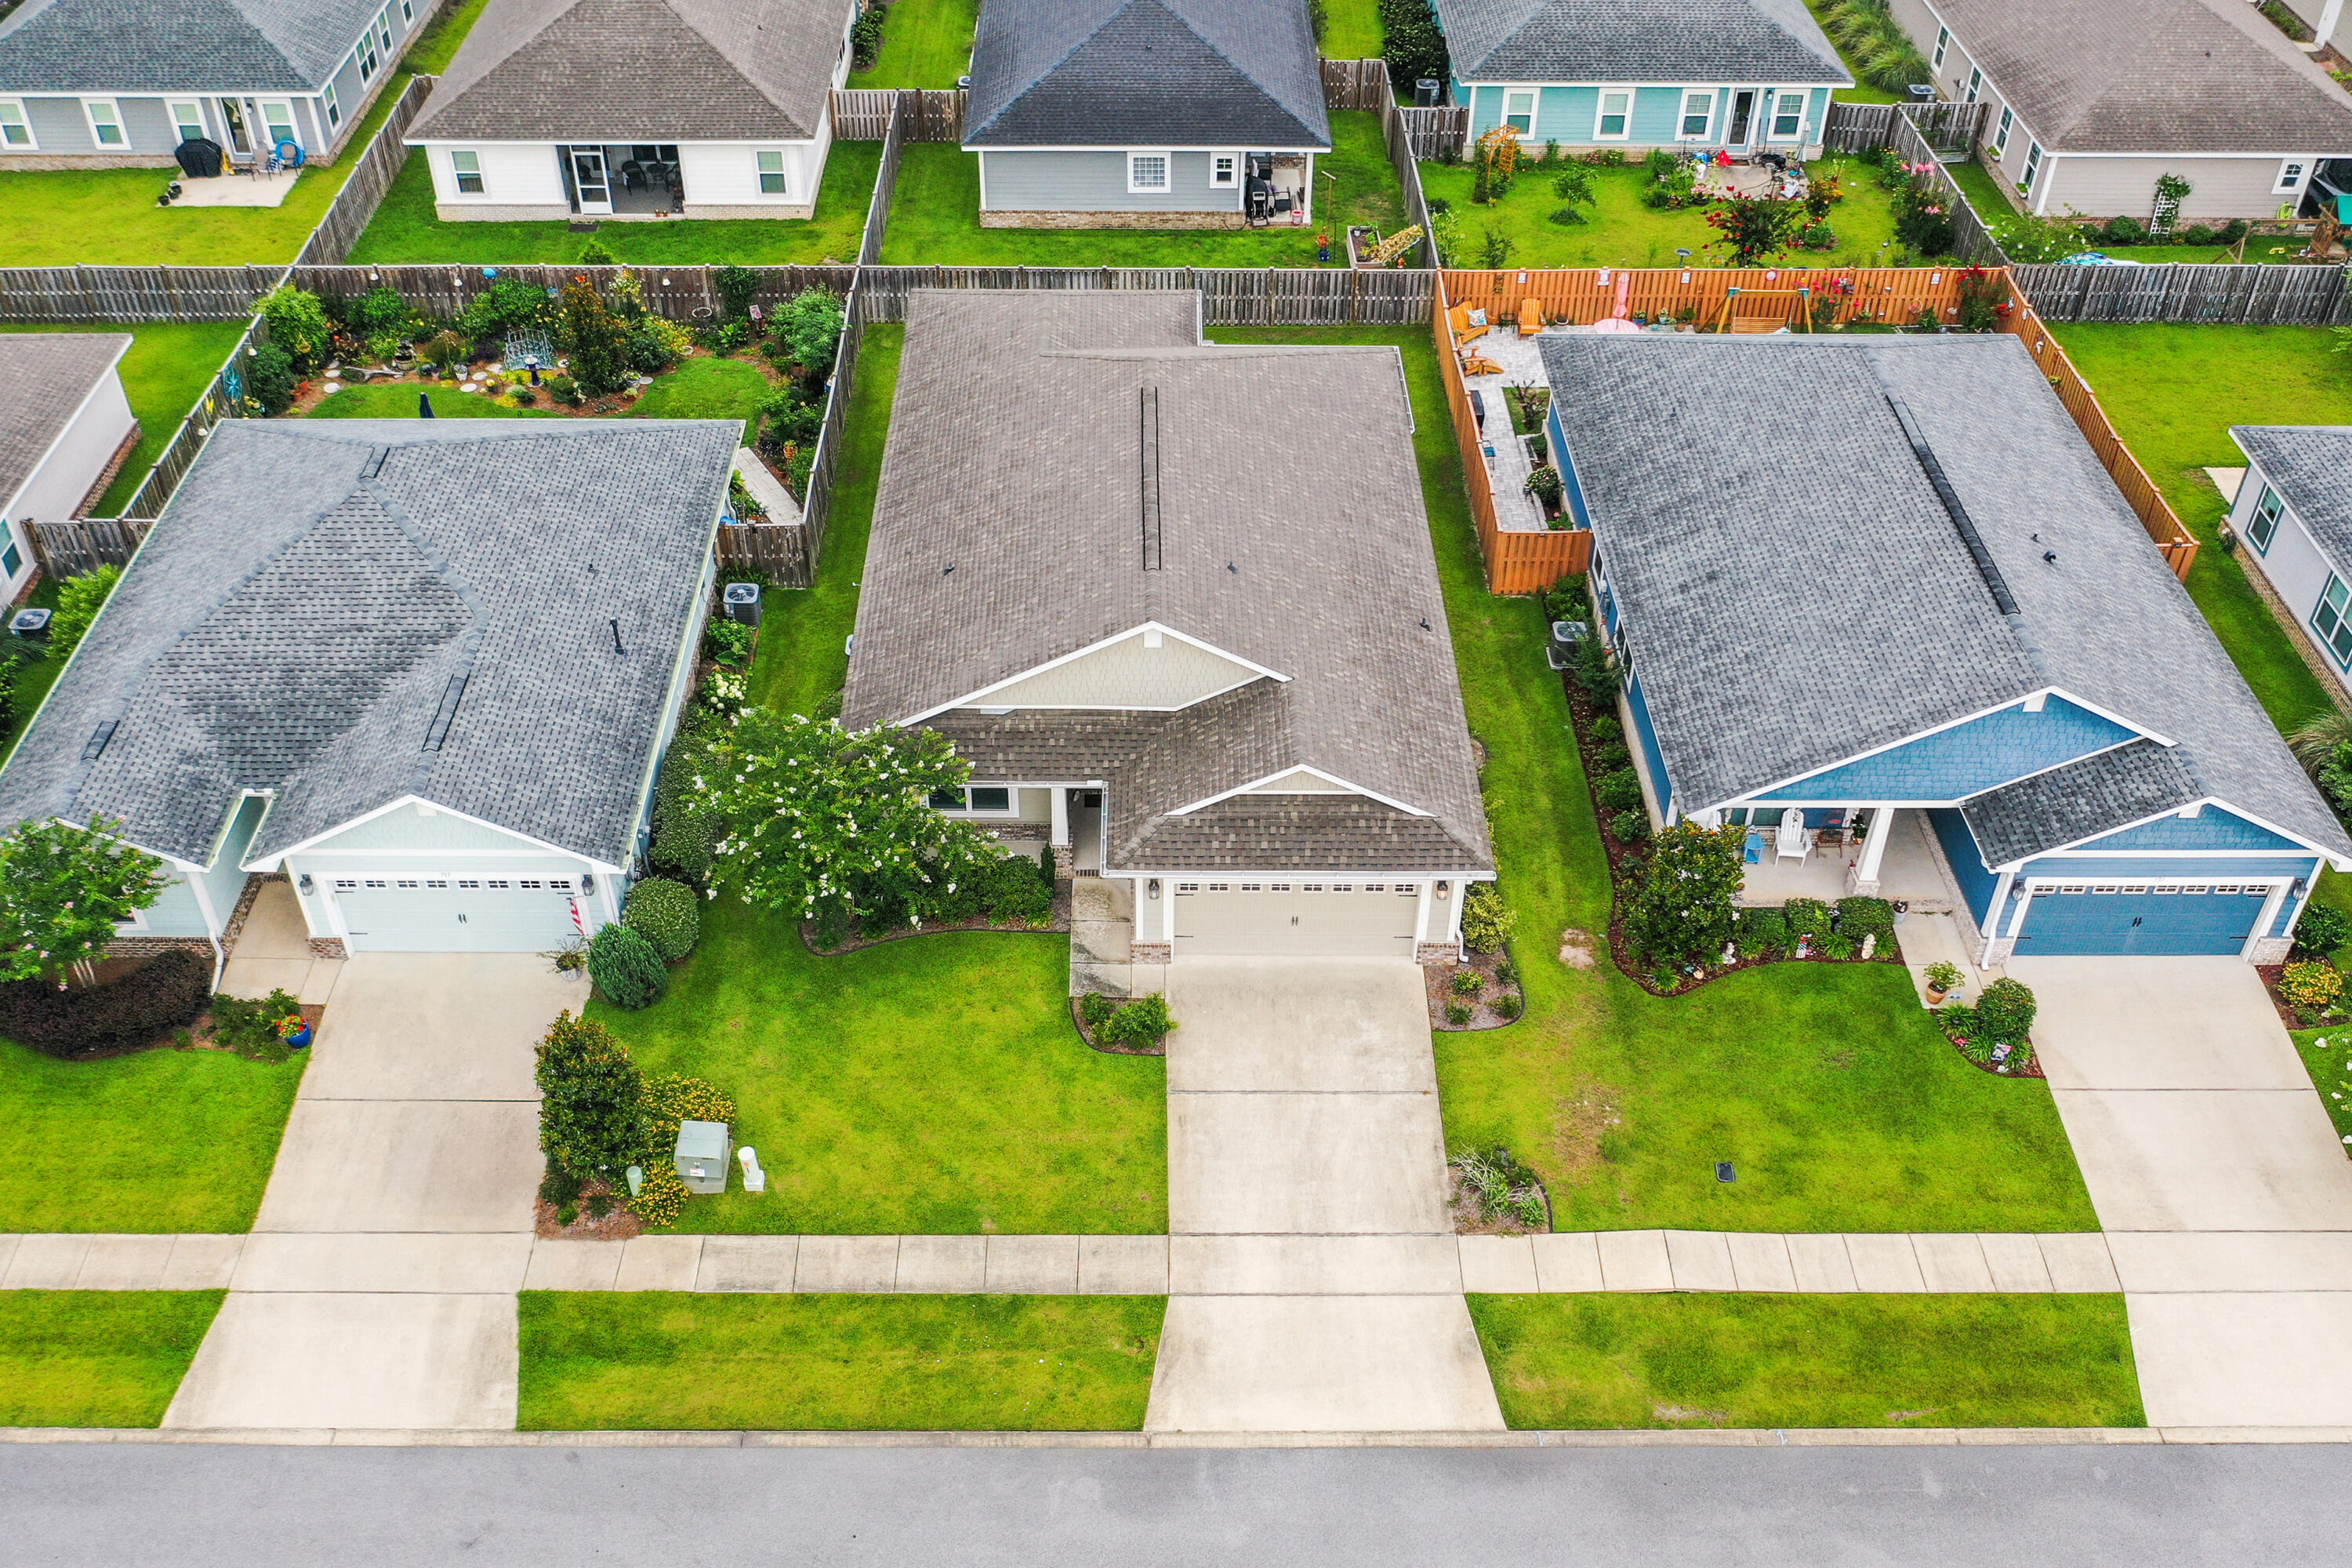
(273,862)
(190,866)
(269,799)
(973,699)
(2340,861)
(1293,874)
(1300,768)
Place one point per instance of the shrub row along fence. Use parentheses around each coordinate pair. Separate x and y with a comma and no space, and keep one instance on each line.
(688,294)
(354,205)
(2249,295)
(1866,127)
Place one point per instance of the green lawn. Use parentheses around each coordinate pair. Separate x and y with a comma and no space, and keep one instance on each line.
(1710,1360)
(163,1141)
(165,371)
(405,229)
(96,1358)
(1352,31)
(1861,92)
(929,1085)
(935,217)
(2327,1057)
(703,387)
(1984,189)
(1840,1104)
(109,217)
(925,42)
(838,1362)
(34,676)
(1622,232)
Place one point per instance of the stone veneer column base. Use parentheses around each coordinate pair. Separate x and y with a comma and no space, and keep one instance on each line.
(1151,953)
(327,947)
(149,946)
(2270,950)
(1437,953)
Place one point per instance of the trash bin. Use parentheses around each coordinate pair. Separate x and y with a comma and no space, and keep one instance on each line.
(740,602)
(702,1152)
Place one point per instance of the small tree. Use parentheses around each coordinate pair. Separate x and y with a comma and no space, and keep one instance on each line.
(599,342)
(737,287)
(298,323)
(63,890)
(1683,908)
(625,968)
(591,1117)
(78,600)
(1755,228)
(809,327)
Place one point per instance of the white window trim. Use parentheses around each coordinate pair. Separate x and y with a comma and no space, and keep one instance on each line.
(1804,98)
(457,191)
(1943,47)
(137,921)
(1233,175)
(171,107)
(293,126)
(1600,112)
(2000,139)
(2033,166)
(334,107)
(1682,116)
(1534,96)
(2285,185)
(32,142)
(89,115)
(407,15)
(1012,805)
(1167,171)
(1976,83)
(783,171)
(383,27)
(2265,494)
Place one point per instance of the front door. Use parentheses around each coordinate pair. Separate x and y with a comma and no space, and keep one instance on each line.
(588,177)
(240,140)
(1743,118)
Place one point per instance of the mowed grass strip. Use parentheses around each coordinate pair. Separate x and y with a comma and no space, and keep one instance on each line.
(1735,1361)
(658,1359)
(96,1358)
(925,42)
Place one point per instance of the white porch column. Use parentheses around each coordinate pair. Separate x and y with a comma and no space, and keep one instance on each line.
(1864,878)
(1420,915)
(1060,799)
(1454,911)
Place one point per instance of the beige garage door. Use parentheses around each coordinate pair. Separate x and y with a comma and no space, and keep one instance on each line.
(1322,919)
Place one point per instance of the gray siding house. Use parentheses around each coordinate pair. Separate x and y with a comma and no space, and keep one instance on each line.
(2094,100)
(424,670)
(2291,516)
(118,84)
(1145,114)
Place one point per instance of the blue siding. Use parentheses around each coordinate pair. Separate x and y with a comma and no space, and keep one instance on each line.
(1967,759)
(1577,511)
(175,913)
(2211,829)
(1977,881)
(225,880)
(1650,752)
(2289,910)
(2155,924)
(1570,114)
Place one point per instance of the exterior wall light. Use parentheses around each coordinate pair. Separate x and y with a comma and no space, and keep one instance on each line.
(587,881)
(1445,889)
(303,884)
(1151,889)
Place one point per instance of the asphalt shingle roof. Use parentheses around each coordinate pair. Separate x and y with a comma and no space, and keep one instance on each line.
(1152,73)
(639,70)
(1292,535)
(178,45)
(48,374)
(1775,41)
(2310,468)
(2133,76)
(2065,805)
(1796,593)
(296,616)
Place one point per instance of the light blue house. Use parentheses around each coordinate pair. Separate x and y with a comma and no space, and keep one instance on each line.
(424,670)
(1742,75)
(1882,584)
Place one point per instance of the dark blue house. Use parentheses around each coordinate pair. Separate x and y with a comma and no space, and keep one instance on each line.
(1851,577)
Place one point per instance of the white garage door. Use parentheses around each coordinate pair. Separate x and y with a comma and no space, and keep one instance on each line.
(395,913)
(1315,919)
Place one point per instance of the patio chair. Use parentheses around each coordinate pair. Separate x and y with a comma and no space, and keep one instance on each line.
(1531,318)
(1464,327)
(1792,840)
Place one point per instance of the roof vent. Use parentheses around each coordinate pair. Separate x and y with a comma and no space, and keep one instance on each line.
(1149,413)
(376,455)
(98,740)
(446,714)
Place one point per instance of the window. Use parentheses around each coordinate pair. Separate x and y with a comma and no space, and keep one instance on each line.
(1147,171)
(2261,523)
(2328,620)
(1943,42)
(435,882)
(10,561)
(1788,117)
(559,884)
(995,799)
(105,123)
(1408,889)
(278,119)
(1519,111)
(407,13)
(188,119)
(2032,165)
(1616,119)
(496,885)
(531,882)
(2001,137)
(345,884)
(365,55)
(334,110)
(1976,83)
(2290,177)
(15,130)
(1225,169)
(404,882)
(468,169)
(469,884)
(1698,113)
(1188,886)
(771,173)
(383,25)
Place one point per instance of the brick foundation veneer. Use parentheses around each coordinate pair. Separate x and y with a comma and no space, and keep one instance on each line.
(327,947)
(1118,220)
(1437,953)
(1022,833)
(149,946)
(113,467)
(1151,953)
(2329,676)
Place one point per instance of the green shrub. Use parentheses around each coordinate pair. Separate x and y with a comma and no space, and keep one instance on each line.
(501,310)
(524,396)
(596,253)
(727,642)
(378,311)
(1764,932)
(686,829)
(1958,1020)
(1507,973)
(1620,791)
(1015,894)
(625,968)
(2005,1011)
(249,1028)
(662,1195)
(1859,918)
(1568,217)
(809,326)
(1611,755)
(1468,982)
(1142,1022)
(1487,921)
(298,323)
(2307,987)
(564,390)
(591,1117)
(2322,928)
(738,288)
(78,600)
(269,379)
(1630,826)
(1838,947)
(664,914)
(1682,907)
(1457,1013)
(866,37)
(1507,1006)
(1809,918)
(654,344)
(671,1098)
(1412,42)
(1605,728)
(1504,1187)
(1595,676)
(1094,1009)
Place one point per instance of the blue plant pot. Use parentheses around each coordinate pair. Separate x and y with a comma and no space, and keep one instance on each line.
(298,1038)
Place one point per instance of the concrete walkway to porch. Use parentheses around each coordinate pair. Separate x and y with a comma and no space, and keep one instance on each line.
(273,952)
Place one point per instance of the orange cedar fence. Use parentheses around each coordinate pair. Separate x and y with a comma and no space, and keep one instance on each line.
(1519,561)
(1580,297)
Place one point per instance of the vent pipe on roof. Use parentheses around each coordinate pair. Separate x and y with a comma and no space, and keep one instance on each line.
(1149,413)
(616,636)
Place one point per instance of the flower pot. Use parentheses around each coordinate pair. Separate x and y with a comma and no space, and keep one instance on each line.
(1936,994)
(298,1038)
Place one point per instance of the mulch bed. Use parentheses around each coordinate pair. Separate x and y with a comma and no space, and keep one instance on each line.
(310,393)
(1438,980)
(2272,974)
(200,1032)
(1060,922)
(2029,1067)
(620,1221)
(1462,1204)
(1107,1047)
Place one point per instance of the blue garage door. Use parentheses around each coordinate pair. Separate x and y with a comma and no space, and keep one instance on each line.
(2201,918)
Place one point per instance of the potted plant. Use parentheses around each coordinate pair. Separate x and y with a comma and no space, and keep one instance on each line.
(571,959)
(1943,979)
(295,1030)
(1543,485)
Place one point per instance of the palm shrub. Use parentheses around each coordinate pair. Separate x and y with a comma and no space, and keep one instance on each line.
(625,968)
(592,1118)
(1682,907)
(664,914)
(2004,1012)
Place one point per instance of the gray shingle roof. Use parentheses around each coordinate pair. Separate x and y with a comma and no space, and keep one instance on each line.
(2310,468)
(1152,73)
(1772,41)
(2068,804)
(294,619)
(639,70)
(47,375)
(2130,76)
(1013,453)
(178,45)
(1797,595)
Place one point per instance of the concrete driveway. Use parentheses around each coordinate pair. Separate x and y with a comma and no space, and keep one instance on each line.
(1314,1283)
(378,1288)
(2219,1180)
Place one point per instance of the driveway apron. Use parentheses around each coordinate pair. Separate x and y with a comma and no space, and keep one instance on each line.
(378,1287)
(1314,1280)
(2220,1182)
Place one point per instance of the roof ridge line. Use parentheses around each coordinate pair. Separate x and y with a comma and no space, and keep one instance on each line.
(1116,11)
(1239,71)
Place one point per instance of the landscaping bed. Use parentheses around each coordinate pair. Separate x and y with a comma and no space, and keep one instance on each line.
(1133,1027)
(1490,1192)
(1059,923)
(1496,1000)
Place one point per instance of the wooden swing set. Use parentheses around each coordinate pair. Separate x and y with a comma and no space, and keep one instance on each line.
(1764,310)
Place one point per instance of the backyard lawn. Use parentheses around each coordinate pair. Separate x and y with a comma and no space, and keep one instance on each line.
(702,387)
(1352,31)
(836,1363)
(162,1141)
(935,217)
(1983,189)
(405,230)
(165,371)
(96,1358)
(925,42)
(62,217)
(1622,232)
(1839,1104)
(1710,1360)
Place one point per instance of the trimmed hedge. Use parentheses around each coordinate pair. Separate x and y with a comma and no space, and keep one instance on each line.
(664,914)
(135,1012)
(625,968)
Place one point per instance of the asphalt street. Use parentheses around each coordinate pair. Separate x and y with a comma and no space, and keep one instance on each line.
(260,1507)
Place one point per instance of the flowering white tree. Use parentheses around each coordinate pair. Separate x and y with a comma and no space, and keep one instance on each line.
(828,823)
(63,888)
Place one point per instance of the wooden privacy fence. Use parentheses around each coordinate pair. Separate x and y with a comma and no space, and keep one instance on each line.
(1356,84)
(1950,130)
(224,399)
(1865,127)
(933,114)
(863,113)
(2251,295)
(133,293)
(885,186)
(677,293)
(84,544)
(1430,132)
(1230,296)
(1519,561)
(777,550)
(1580,297)
(354,205)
